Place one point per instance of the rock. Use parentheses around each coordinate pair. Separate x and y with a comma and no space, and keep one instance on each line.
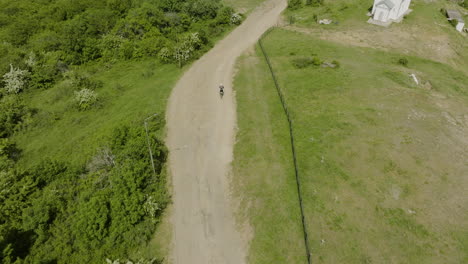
(328,65)
(325,21)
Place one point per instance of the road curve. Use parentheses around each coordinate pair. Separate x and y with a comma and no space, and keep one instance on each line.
(201,132)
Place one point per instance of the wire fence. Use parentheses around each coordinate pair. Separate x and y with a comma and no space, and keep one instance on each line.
(286,111)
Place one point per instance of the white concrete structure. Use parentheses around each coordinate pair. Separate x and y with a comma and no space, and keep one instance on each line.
(387,11)
(454,15)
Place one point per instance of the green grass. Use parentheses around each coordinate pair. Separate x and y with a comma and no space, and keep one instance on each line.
(425,28)
(381,160)
(243,6)
(268,192)
(131,91)
(346,13)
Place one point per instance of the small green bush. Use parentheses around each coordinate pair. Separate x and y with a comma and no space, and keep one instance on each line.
(316,61)
(236,18)
(294,4)
(15,80)
(317,2)
(453,22)
(464,4)
(85,98)
(14,114)
(302,62)
(403,61)
(336,63)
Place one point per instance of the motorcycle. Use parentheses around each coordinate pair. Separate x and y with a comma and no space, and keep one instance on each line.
(221,90)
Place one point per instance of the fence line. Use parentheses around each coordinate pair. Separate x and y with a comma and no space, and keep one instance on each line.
(286,111)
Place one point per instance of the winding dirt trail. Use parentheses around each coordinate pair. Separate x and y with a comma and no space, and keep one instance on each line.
(201,132)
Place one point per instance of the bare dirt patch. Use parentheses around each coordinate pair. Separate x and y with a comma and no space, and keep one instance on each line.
(406,40)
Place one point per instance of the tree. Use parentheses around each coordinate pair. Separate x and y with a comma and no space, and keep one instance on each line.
(15,80)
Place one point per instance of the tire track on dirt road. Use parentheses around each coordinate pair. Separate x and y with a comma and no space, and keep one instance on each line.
(201,132)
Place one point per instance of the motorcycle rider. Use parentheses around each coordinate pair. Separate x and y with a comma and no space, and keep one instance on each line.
(221,88)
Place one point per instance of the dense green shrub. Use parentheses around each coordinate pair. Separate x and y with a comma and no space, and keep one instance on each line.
(204,9)
(85,98)
(294,4)
(224,15)
(15,80)
(13,115)
(78,215)
(403,61)
(303,62)
(336,63)
(236,18)
(8,151)
(316,2)
(316,61)
(453,22)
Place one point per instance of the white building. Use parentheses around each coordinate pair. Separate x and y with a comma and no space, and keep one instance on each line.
(387,11)
(456,17)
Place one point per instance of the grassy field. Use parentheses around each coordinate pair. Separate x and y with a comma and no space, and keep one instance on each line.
(263,144)
(382,160)
(130,92)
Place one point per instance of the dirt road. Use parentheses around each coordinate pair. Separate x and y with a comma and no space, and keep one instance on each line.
(201,131)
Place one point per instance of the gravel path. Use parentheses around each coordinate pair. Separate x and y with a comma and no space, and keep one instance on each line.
(201,133)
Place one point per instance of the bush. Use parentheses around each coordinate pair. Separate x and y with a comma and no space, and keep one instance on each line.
(15,80)
(165,55)
(336,63)
(464,4)
(302,62)
(8,150)
(403,61)
(317,2)
(13,114)
(443,11)
(453,22)
(294,4)
(316,61)
(205,9)
(85,98)
(151,44)
(236,19)
(315,18)
(224,15)
(80,80)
